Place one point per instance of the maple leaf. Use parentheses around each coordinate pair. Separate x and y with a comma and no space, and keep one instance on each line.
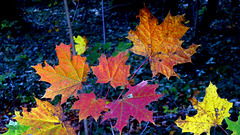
(234,126)
(112,70)
(15,128)
(80,47)
(89,106)
(45,119)
(161,43)
(133,104)
(67,77)
(210,112)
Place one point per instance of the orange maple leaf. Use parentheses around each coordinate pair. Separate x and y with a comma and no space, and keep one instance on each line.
(89,106)
(161,43)
(133,104)
(113,69)
(45,119)
(67,77)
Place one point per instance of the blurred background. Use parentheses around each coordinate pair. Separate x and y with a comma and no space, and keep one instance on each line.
(31,29)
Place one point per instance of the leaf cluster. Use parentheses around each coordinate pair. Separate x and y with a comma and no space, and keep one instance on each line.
(126,96)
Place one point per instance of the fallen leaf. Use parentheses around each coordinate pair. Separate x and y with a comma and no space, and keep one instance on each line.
(112,70)
(210,112)
(133,104)
(45,119)
(67,77)
(161,43)
(89,106)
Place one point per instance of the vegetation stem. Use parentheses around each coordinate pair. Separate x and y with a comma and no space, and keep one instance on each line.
(107,91)
(111,127)
(103,23)
(69,28)
(133,76)
(92,88)
(223,130)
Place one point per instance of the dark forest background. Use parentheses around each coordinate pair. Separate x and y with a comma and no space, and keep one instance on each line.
(30,29)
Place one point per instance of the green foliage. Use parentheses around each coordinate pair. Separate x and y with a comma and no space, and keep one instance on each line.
(167,111)
(7,24)
(14,128)
(122,47)
(234,126)
(107,46)
(93,53)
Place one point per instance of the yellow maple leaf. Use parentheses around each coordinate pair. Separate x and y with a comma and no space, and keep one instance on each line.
(210,112)
(81,44)
(45,119)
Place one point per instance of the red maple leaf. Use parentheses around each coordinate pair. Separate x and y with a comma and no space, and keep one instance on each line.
(133,104)
(112,69)
(89,106)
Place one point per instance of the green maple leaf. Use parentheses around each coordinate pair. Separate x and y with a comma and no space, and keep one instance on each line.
(234,126)
(14,128)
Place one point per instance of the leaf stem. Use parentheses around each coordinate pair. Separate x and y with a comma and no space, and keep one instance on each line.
(107,91)
(133,76)
(139,68)
(111,127)
(92,88)
(223,130)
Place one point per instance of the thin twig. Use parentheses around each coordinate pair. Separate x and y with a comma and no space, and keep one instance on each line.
(69,27)
(117,6)
(101,91)
(85,126)
(103,23)
(73,51)
(172,102)
(111,127)
(75,10)
(145,128)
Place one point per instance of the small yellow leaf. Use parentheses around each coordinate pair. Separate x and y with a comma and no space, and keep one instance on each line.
(80,45)
(210,112)
(107,102)
(187,22)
